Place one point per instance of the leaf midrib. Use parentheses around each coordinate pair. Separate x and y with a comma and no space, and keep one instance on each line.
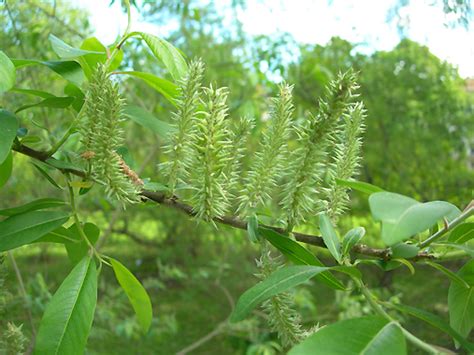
(73,307)
(375,337)
(34,225)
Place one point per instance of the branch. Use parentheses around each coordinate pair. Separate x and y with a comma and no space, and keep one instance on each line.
(232,221)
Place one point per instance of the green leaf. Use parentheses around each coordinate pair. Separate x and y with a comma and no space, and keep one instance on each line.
(462,233)
(147,120)
(166,53)
(155,186)
(68,317)
(40,204)
(299,255)
(279,281)
(25,228)
(389,206)
(359,186)
(38,93)
(43,172)
(402,250)
(89,62)
(64,50)
(76,251)
(8,127)
(136,294)
(448,273)
(367,335)
(403,217)
(7,73)
(6,169)
(51,102)
(164,87)
(252,228)
(436,322)
(461,301)
(68,69)
(351,239)
(330,237)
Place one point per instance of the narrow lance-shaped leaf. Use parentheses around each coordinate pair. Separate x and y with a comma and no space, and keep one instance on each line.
(136,293)
(8,127)
(25,228)
(299,255)
(330,237)
(280,281)
(351,239)
(367,335)
(40,204)
(6,169)
(68,317)
(359,186)
(147,120)
(64,50)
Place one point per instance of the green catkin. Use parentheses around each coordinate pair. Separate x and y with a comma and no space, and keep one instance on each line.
(239,134)
(346,160)
(283,319)
(211,155)
(102,135)
(270,156)
(179,147)
(306,162)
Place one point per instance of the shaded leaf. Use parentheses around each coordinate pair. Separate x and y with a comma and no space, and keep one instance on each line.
(76,251)
(6,169)
(68,69)
(25,228)
(50,102)
(402,250)
(147,120)
(462,233)
(351,239)
(164,87)
(252,228)
(40,204)
(43,172)
(359,186)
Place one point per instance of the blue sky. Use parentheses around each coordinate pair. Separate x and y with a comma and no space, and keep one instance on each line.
(316,21)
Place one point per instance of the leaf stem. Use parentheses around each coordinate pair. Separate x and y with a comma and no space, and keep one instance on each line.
(469,211)
(60,142)
(380,311)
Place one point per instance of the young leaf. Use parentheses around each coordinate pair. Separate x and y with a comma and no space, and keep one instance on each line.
(166,53)
(89,62)
(6,169)
(299,255)
(136,294)
(252,228)
(163,86)
(8,127)
(147,120)
(389,206)
(462,233)
(330,237)
(68,317)
(64,50)
(436,322)
(40,204)
(461,301)
(351,239)
(367,335)
(25,228)
(7,73)
(359,186)
(280,281)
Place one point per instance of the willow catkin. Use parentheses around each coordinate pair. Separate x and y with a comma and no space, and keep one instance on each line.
(102,135)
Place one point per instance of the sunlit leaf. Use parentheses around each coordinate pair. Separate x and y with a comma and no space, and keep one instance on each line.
(147,120)
(359,186)
(8,127)
(330,237)
(68,317)
(64,50)
(7,73)
(40,204)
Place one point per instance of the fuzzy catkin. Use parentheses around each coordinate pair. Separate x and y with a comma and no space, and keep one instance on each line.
(211,150)
(283,319)
(346,160)
(102,135)
(179,148)
(299,193)
(270,157)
